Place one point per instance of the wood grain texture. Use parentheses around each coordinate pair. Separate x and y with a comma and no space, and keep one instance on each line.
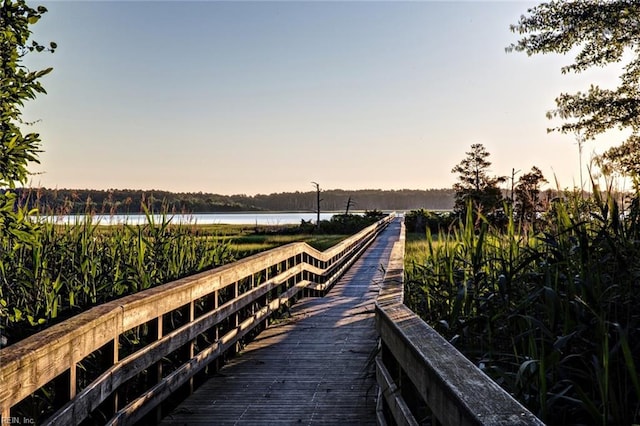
(315,367)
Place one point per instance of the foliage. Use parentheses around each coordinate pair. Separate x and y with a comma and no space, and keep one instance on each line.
(342,223)
(75,201)
(551,317)
(527,197)
(626,158)
(475,187)
(71,267)
(421,220)
(602,31)
(17,85)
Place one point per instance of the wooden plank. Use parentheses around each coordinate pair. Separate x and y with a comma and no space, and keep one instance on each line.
(335,271)
(315,366)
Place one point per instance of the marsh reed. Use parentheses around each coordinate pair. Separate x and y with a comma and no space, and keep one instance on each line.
(57,270)
(552,316)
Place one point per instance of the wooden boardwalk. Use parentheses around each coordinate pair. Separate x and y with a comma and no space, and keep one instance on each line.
(315,367)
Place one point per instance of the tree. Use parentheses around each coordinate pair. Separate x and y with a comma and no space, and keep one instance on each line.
(626,158)
(318,199)
(17,85)
(350,203)
(474,185)
(527,196)
(603,31)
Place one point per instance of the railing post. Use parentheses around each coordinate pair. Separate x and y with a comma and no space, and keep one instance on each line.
(72,379)
(237,315)
(159,366)
(192,316)
(217,329)
(116,356)
(6,415)
(253,304)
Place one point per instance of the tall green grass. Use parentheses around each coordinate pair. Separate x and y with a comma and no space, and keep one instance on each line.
(49,271)
(55,271)
(551,316)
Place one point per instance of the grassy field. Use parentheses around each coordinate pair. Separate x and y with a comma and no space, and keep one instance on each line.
(416,248)
(244,240)
(245,245)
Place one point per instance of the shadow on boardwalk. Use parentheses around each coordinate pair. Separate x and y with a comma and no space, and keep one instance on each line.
(314,367)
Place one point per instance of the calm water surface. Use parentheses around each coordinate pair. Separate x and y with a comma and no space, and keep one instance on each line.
(242,218)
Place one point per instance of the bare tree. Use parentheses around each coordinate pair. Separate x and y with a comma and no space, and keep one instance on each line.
(317,185)
(349,204)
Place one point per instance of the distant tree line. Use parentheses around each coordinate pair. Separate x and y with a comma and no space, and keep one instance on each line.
(78,201)
(366,199)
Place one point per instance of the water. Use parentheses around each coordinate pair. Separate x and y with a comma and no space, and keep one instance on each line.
(240,218)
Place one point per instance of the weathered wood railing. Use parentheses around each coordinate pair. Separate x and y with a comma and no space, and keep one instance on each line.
(420,374)
(215,310)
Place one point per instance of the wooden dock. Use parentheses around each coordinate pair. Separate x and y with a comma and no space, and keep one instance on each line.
(316,366)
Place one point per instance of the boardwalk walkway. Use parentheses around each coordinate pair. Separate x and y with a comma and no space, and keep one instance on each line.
(314,367)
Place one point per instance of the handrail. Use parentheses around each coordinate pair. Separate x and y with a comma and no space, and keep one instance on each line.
(260,285)
(419,372)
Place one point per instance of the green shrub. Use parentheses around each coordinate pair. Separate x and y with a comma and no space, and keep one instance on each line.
(435,221)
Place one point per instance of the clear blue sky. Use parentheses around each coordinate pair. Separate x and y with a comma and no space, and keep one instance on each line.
(261,97)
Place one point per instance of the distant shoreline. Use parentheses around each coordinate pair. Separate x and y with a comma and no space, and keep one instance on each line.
(72,201)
